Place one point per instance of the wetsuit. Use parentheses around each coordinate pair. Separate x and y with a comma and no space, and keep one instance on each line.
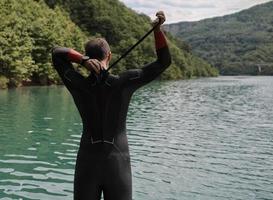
(103,161)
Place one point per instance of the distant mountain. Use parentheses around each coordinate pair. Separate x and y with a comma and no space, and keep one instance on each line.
(241,43)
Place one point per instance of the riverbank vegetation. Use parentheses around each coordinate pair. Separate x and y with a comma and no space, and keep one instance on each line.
(30,28)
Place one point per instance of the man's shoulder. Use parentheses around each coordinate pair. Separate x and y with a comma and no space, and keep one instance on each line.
(131,74)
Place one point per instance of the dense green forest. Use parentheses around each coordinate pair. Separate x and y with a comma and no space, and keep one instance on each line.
(241,43)
(30,28)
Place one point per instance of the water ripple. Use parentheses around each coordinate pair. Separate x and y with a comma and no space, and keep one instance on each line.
(197,139)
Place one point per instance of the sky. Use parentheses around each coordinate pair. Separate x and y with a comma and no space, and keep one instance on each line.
(190,10)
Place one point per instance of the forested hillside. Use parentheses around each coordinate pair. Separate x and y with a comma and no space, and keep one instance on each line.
(30,28)
(241,43)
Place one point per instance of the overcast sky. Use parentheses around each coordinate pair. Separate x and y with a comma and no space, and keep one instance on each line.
(190,10)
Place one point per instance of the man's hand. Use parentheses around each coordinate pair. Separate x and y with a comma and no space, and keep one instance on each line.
(160,19)
(94,65)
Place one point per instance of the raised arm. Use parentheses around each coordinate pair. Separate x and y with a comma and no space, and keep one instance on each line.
(138,77)
(62,59)
(153,70)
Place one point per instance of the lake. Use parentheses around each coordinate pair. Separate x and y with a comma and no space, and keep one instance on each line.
(192,139)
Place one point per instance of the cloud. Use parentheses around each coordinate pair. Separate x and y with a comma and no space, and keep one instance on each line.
(185,10)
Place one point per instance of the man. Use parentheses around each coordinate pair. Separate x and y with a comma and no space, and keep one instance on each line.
(103,161)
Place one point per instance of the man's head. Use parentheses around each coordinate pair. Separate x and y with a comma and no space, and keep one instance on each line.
(98,49)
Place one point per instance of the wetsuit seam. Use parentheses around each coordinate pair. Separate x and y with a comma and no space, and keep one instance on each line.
(65,75)
(106,82)
(102,141)
(135,77)
(122,155)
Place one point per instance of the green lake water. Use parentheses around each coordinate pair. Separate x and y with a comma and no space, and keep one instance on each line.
(196,139)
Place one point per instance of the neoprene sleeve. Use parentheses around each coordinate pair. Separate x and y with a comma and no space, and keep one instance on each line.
(160,40)
(74,56)
(138,77)
(62,59)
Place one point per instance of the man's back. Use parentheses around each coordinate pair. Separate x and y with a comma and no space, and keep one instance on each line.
(103,109)
(103,161)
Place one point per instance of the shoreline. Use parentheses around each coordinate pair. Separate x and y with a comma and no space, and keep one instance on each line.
(192,78)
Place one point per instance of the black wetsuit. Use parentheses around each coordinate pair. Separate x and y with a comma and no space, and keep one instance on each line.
(103,161)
